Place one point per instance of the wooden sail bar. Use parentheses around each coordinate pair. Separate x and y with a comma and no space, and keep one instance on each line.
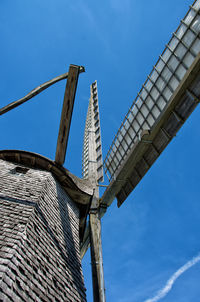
(35,92)
(66,115)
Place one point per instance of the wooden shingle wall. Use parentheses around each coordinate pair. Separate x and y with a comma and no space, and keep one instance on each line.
(39,238)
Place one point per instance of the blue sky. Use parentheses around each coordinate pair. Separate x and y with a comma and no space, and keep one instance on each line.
(156,231)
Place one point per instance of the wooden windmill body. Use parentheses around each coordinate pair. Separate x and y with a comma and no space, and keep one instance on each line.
(43,215)
(167,98)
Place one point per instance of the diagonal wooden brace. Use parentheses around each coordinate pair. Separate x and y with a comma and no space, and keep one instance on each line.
(35,92)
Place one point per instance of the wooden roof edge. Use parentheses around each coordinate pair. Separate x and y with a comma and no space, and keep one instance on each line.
(83,184)
(82,188)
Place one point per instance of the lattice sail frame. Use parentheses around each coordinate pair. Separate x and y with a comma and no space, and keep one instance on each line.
(153,98)
(92,160)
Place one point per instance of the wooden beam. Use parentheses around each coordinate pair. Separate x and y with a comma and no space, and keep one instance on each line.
(67,109)
(34,92)
(96,252)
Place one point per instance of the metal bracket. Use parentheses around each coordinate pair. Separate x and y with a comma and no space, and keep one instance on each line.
(196,98)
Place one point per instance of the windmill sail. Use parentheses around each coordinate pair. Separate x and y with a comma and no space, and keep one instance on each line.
(166,99)
(92,163)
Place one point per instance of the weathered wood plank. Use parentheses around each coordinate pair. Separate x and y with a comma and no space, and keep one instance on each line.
(34,92)
(66,115)
(96,251)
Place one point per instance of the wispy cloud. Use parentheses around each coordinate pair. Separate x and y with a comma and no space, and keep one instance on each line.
(165,290)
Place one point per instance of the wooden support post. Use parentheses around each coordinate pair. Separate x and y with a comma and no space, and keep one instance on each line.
(96,252)
(91,143)
(67,109)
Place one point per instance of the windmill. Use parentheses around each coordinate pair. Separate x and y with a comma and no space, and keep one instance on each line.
(167,98)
